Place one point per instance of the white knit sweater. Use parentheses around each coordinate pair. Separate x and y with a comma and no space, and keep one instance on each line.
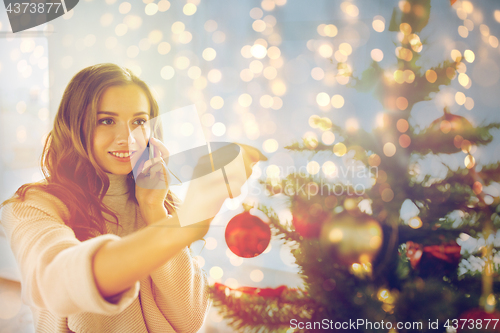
(58,282)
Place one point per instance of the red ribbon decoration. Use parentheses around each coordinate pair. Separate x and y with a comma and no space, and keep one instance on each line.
(263,292)
(446,252)
(452,2)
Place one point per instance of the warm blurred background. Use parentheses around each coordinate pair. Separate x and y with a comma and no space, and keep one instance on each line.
(258,72)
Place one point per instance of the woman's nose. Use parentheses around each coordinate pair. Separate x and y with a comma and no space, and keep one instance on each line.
(124,135)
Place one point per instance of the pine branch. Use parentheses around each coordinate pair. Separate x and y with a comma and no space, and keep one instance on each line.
(253,313)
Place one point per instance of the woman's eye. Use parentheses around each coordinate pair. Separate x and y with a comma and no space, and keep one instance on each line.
(106,121)
(141,122)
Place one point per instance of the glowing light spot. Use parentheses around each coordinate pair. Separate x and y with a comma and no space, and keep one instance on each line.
(270,72)
(219,37)
(189,9)
(317,73)
(401,103)
(313,167)
(214,75)
(346,48)
(259,25)
(258,51)
(124,7)
(328,138)
(330,30)
(273,52)
(256,275)
(469,161)
(256,66)
(210,243)
(266,101)
(207,119)
(352,125)
(322,99)
(209,54)
(155,36)
(469,103)
(469,56)
(377,55)
(389,149)
(178,27)
(245,100)
(164,48)
(277,103)
(387,195)
(310,140)
(106,19)
(246,75)
(405,28)
(337,101)
(185,37)
(325,50)
(151,8)
(460,98)
(210,26)
(21,107)
(431,76)
(219,129)
(181,62)
(404,141)
(200,260)
(352,10)
(463,79)
(167,72)
(329,168)
(163,5)
(485,30)
(121,29)
(256,13)
(493,41)
(415,222)
(378,24)
(278,87)
(194,72)
(216,272)
(463,31)
(456,55)
(268,5)
(270,145)
(339,149)
(217,102)
(246,51)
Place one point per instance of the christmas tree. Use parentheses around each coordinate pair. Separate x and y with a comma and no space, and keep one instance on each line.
(386,246)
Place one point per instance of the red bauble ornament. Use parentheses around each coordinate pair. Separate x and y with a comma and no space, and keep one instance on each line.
(308,219)
(446,134)
(477,316)
(247,235)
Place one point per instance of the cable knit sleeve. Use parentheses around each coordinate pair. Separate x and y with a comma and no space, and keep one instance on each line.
(181,292)
(56,268)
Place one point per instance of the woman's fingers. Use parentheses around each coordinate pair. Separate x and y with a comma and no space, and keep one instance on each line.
(160,149)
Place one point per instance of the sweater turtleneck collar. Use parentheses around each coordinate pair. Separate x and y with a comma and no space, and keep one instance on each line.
(117,184)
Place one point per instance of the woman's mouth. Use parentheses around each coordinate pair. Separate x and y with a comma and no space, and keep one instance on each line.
(122,156)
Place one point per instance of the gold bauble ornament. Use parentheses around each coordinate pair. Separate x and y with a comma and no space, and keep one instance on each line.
(351,238)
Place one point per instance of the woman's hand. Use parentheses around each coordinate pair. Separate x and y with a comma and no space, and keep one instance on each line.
(206,194)
(152,181)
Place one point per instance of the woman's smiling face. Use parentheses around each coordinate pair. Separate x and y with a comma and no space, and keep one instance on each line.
(121,110)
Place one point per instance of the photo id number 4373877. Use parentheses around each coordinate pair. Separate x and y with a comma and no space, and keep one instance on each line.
(477,324)
(33,7)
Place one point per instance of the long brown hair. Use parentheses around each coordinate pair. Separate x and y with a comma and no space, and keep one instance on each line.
(70,169)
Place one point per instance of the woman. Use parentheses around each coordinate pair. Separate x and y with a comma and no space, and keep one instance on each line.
(97,252)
